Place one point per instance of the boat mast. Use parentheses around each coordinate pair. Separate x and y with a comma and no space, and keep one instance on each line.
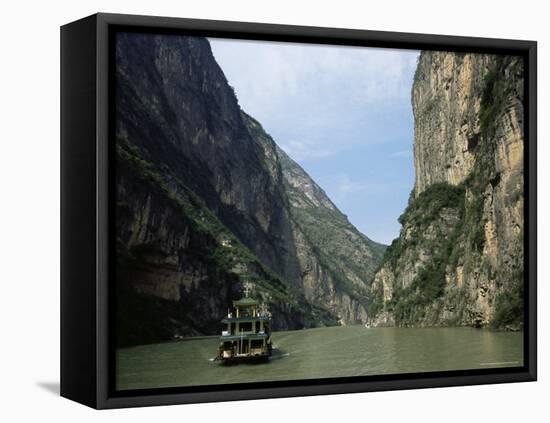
(247,288)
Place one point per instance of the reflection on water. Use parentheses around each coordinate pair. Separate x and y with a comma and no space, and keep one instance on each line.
(321,353)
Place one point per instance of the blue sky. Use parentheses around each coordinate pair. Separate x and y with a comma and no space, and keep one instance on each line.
(343,113)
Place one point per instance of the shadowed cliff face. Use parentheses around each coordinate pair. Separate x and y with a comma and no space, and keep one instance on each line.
(206,200)
(459,257)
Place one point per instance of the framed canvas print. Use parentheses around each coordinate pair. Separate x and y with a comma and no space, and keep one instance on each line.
(255,211)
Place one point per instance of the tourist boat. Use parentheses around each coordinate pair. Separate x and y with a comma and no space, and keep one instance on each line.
(246,334)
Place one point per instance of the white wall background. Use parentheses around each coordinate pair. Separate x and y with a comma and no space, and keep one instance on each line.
(29,213)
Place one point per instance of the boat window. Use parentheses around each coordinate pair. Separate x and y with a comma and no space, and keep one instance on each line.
(245,312)
(256,343)
(245,326)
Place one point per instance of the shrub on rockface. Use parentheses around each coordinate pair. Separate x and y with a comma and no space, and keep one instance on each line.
(429,283)
(509,306)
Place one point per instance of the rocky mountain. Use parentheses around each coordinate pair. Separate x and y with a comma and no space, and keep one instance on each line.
(334,258)
(459,256)
(206,200)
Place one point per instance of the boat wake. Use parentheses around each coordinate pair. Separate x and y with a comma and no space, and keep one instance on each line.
(279,356)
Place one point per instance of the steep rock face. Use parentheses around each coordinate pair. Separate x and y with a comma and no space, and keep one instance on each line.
(203,204)
(175,105)
(179,268)
(459,257)
(335,260)
(446,101)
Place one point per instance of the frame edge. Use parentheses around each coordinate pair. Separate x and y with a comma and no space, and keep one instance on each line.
(104,21)
(78,212)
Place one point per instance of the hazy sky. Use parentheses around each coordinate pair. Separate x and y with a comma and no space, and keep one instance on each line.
(343,113)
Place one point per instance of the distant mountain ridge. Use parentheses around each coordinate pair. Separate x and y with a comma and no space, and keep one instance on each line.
(336,260)
(207,200)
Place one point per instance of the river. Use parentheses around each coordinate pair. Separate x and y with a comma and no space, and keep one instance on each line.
(321,353)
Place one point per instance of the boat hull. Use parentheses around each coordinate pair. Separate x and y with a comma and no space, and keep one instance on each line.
(237,352)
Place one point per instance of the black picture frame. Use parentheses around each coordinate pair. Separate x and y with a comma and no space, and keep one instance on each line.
(86,306)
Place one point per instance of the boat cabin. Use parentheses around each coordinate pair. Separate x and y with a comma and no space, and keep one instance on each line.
(245,332)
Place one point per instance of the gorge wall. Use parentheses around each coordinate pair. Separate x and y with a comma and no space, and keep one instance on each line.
(459,257)
(205,200)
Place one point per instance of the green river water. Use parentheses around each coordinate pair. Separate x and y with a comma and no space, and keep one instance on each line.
(321,353)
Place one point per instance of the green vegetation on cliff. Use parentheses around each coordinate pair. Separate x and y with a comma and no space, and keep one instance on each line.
(429,283)
(333,254)
(145,318)
(509,305)
(202,205)
(497,94)
(459,255)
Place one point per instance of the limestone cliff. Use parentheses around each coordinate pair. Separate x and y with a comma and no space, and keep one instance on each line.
(206,200)
(459,256)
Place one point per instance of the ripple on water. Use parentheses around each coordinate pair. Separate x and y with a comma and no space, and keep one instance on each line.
(320,353)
